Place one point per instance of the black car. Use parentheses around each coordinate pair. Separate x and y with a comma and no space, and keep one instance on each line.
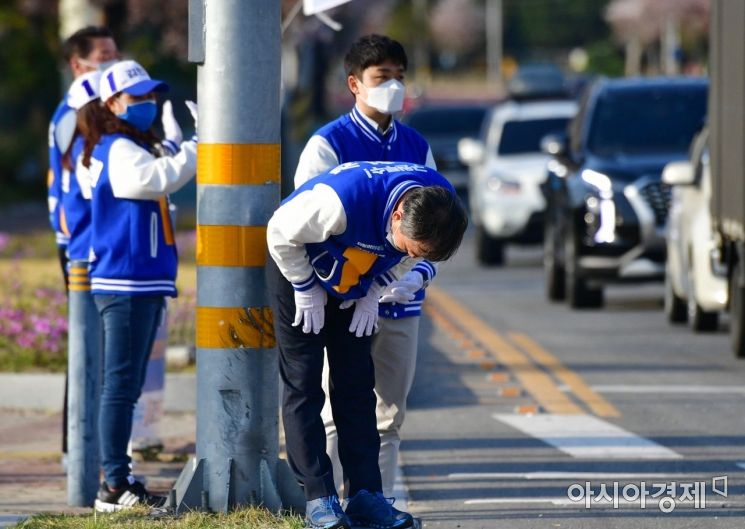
(606,204)
(442,125)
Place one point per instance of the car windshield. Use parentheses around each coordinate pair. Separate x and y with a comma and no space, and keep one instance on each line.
(447,121)
(519,137)
(646,121)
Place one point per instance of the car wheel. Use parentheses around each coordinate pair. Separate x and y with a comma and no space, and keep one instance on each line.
(579,294)
(553,271)
(675,306)
(737,316)
(699,320)
(489,250)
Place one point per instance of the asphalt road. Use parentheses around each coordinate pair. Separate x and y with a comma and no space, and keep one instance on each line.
(519,404)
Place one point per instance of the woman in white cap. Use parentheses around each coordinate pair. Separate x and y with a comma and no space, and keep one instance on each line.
(133,257)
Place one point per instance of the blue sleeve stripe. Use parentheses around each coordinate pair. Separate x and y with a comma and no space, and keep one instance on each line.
(426,269)
(170,146)
(305,285)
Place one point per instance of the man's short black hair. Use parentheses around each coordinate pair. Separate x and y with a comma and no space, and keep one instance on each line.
(435,217)
(372,50)
(80,43)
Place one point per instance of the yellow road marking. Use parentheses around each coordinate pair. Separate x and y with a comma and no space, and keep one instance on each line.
(534,380)
(597,404)
(499,376)
(510,392)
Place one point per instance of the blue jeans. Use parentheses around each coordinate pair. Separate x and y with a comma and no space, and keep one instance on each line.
(129,327)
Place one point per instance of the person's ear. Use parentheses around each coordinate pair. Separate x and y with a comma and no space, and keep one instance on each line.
(115,106)
(353,84)
(398,214)
(75,67)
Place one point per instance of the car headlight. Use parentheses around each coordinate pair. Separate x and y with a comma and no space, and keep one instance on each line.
(601,207)
(599,181)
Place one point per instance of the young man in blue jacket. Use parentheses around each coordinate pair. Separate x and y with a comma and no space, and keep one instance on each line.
(338,242)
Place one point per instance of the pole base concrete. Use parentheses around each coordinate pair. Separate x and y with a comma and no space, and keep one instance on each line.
(189,493)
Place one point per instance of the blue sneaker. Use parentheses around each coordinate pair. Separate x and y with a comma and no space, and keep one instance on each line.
(372,509)
(400,516)
(326,513)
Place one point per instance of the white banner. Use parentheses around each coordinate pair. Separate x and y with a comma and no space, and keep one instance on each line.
(311,7)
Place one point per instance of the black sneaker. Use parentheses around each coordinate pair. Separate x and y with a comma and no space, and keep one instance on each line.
(126,497)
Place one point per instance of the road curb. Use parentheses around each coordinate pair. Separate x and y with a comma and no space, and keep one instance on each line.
(44,392)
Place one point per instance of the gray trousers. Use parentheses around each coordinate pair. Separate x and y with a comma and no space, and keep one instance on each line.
(394,352)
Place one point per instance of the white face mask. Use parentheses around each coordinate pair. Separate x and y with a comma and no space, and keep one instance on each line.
(100,66)
(388,97)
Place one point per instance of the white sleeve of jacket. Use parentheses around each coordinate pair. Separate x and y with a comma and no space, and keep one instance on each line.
(312,216)
(64,130)
(135,173)
(317,157)
(83,176)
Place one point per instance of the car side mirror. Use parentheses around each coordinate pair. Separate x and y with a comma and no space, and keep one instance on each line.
(555,144)
(470,151)
(678,174)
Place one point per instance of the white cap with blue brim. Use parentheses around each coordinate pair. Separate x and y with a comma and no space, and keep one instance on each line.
(129,77)
(83,90)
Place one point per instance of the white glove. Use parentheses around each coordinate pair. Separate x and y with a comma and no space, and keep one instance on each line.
(365,317)
(310,309)
(192,106)
(171,128)
(403,290)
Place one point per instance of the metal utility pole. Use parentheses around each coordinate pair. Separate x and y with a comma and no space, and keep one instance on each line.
(237,46)
(85,347)
(494,42)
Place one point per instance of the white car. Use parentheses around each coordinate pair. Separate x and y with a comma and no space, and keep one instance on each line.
(695,290)
(506,169)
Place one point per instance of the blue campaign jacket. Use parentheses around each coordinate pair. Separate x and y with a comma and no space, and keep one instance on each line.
(77,209)
(54,178)
(133,251)
(348,263)
(354,140)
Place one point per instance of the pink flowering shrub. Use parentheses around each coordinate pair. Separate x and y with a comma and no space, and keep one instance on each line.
(33,312)
(33,326)
(181,317)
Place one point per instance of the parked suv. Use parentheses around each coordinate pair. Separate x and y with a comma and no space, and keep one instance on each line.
(506,169)
(695,288)
(606,205)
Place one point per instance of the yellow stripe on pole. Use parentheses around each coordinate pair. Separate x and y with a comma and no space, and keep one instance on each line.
(231,245)
(235,327)
(238,164)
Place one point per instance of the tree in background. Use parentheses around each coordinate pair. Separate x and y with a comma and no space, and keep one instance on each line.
(29,91)
(154,32)
(457,28)
(664,32)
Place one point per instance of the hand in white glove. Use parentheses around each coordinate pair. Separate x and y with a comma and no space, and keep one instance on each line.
(310,309)
(365,317)
(192,106)
(171,128)
(403,290)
